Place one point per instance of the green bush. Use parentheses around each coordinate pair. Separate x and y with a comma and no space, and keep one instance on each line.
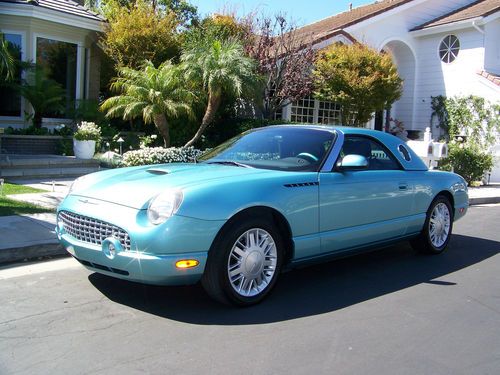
(468,161)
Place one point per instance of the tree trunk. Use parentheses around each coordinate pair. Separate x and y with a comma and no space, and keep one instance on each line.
(214,100)
(161,124)
(37,120)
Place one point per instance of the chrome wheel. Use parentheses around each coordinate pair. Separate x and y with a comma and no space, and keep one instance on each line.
(252,262)
(439,225)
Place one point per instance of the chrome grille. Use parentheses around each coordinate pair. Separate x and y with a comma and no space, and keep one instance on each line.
(87,229)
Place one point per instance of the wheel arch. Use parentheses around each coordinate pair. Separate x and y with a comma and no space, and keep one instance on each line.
(264,211)
(448,196)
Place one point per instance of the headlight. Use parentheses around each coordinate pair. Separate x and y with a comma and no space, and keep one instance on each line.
(459,186)
(164,206)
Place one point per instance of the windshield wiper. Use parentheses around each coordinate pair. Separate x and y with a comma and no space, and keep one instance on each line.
(229,162)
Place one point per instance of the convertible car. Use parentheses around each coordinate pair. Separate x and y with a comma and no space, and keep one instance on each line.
(267,199)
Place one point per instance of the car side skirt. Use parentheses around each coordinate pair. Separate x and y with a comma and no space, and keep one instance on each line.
(347,252)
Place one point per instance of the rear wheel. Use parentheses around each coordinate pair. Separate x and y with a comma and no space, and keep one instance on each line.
(437,228)
(244,262)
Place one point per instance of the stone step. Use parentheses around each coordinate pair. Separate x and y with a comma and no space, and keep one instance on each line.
(44,166)
(24,173)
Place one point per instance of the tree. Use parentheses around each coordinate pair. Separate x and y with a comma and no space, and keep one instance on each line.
(139,32)
(358,78)
(219,68)
(155,94)
(221,27)
(7,63)
(187,14)
(285,59)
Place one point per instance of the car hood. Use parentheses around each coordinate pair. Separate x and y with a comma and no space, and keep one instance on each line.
(134,187)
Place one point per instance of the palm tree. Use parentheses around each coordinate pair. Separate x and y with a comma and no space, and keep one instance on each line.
(7,63)
(219,67)
(156,94)
(44,94)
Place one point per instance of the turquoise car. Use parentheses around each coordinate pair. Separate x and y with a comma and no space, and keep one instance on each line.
(270,198)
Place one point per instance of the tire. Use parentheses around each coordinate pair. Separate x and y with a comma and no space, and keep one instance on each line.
(438,226)
(244,262)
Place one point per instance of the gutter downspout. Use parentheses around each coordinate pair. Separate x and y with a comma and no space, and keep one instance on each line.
(476,26)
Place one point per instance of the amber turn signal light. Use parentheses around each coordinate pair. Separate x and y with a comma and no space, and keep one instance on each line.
(187,263)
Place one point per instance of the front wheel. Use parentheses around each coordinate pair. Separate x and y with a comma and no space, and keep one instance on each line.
(437,228)
(244,263)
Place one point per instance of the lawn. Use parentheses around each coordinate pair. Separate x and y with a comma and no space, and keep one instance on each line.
(13,207)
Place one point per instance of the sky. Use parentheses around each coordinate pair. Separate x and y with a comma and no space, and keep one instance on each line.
(302,12)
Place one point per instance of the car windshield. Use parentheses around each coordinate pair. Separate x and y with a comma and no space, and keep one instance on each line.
(280,148)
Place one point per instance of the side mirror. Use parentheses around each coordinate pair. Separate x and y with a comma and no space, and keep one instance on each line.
(353,162)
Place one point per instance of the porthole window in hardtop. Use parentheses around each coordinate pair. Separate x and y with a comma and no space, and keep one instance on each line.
(404,152)
(449,48)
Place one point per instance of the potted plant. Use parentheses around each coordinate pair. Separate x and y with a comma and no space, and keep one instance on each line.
(84,140)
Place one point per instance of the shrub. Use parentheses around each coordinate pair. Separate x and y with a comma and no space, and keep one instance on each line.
(160,155)
(468,161)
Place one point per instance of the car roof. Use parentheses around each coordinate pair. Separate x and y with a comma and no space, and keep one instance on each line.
(391,142)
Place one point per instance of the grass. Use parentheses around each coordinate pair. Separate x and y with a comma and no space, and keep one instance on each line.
(10,207)
(9,189)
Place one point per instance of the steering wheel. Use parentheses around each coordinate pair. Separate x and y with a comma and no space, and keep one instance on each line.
(307,156)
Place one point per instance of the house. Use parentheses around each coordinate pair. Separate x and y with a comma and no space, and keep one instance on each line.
(441,47)
(61,36)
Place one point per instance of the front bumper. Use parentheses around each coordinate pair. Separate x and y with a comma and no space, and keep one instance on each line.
(154,250)
(136,266)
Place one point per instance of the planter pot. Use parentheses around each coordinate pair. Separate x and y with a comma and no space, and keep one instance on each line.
(84,149)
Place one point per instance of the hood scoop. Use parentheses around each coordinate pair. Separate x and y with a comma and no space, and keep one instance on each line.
(157,171)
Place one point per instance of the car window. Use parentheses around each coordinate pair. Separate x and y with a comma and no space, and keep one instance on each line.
(379,158)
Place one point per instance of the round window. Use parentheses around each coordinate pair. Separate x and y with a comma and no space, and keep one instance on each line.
(449,48)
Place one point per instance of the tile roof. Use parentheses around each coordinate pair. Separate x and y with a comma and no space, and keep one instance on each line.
(481,8)
(490,77)
(64,6)
(320,30)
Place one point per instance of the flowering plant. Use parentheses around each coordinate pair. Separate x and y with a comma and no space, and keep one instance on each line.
(160,155)
(87,131)
(397,128)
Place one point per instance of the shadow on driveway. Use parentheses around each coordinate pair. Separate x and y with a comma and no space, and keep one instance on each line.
(309,291)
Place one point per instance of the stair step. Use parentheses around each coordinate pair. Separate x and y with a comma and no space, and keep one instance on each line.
(45,166)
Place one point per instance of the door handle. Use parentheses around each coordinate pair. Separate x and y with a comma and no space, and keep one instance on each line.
(403,186)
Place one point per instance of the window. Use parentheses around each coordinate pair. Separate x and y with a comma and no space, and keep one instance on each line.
(449,48)
(303,110)
(404,152)
(10,100)
(379,158)
(59,60)
(329,113)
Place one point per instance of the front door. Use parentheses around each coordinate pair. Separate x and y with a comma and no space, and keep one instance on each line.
(360,207)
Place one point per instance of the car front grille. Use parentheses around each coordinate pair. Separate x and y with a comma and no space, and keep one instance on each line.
(87,229)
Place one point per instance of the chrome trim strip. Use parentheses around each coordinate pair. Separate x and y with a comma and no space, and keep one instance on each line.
(334,152)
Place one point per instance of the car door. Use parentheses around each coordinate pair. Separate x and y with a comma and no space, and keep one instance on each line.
(360,207)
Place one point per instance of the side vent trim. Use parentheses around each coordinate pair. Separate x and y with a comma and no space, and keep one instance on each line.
(301,184)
